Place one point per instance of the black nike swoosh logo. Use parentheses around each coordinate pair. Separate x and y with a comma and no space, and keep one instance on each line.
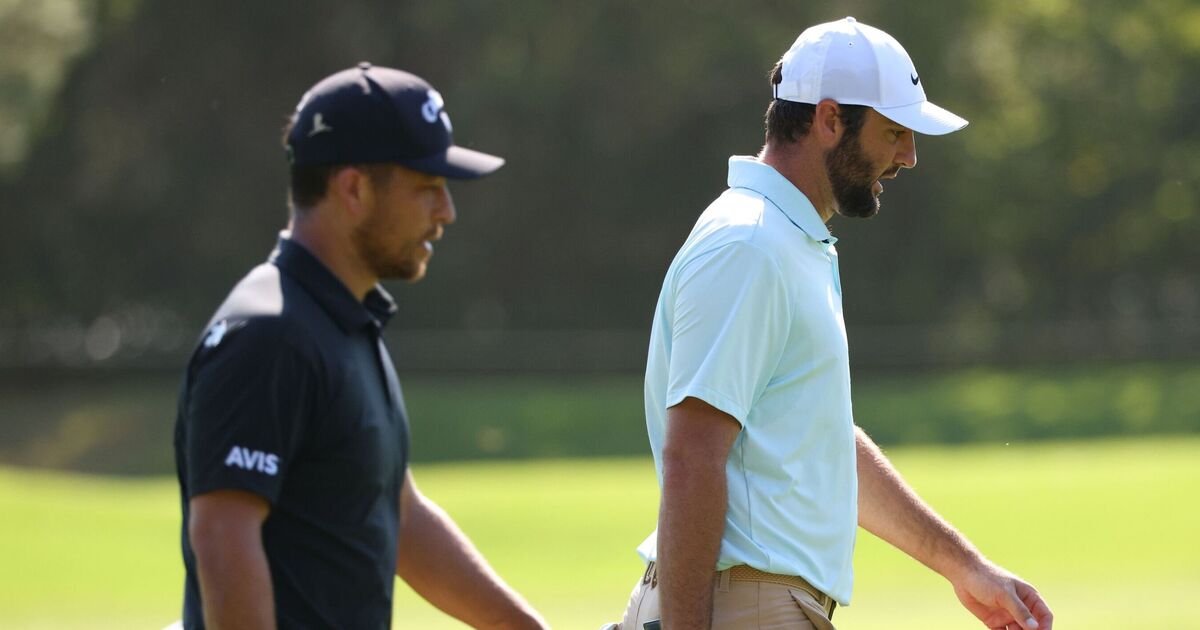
(915,79)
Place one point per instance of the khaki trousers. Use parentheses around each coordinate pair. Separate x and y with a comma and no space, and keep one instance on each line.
(738,604)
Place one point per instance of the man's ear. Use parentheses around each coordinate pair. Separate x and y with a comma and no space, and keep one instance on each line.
(827,123)
(351,189)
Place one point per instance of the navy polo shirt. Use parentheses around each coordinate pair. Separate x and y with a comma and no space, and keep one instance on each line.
(291,395)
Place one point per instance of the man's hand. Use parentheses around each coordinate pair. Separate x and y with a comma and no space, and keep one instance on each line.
(1001,600)
(890,509)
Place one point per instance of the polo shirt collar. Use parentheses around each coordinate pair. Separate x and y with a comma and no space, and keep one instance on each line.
(750,173)
(350,315)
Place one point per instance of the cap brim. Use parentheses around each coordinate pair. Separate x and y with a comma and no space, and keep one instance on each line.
(457,163)
(924,117)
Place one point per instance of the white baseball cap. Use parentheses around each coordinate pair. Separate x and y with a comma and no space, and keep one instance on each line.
(856,64)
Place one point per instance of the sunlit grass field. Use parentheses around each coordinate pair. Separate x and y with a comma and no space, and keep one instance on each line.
(1108,530)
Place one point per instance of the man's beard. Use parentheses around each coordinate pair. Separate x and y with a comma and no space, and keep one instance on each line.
(852,176)
(383,261)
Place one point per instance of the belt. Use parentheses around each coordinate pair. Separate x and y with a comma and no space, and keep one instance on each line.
(743,573)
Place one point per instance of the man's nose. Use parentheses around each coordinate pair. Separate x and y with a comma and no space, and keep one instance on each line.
(446,212)
(906,156)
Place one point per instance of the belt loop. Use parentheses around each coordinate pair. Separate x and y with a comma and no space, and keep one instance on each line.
(648,573)
(723,581)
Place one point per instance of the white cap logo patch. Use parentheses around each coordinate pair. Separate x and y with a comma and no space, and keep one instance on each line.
(319,125)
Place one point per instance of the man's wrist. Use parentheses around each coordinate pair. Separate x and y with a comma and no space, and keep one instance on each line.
(965,561)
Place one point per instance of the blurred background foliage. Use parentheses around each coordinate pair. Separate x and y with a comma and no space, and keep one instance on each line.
(1037,275)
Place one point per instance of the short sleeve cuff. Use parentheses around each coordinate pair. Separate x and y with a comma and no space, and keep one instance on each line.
(722,403)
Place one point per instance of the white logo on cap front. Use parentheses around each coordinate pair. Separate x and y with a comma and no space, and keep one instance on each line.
(432,107)
(432,110)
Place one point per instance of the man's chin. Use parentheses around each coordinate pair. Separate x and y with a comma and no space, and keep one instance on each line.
(409,272)
(413,274)
(859,208)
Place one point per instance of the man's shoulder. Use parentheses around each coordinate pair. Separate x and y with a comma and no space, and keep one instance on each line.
(738,218)
(258,295)
(736,209)
(264,310)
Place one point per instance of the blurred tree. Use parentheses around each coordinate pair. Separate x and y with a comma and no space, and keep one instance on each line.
(38,40)
(157,177)
(1084,131)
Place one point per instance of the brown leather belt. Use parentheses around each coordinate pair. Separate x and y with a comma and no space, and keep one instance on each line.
(743,573)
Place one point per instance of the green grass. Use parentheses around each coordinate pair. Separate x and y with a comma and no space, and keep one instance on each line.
(84,552)
(1107,530)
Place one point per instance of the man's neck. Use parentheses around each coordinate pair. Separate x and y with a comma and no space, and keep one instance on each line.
(336,253)
(802,165)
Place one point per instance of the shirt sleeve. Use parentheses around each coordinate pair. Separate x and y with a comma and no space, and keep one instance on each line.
(729,324)
(248,400)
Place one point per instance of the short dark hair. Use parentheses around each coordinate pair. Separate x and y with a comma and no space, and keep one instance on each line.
(307,185)
(789,121)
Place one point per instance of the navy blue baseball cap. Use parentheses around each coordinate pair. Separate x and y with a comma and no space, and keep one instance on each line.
(369,114)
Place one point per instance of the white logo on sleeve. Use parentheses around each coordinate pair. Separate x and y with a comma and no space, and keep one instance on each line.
(247,459)
(215,334)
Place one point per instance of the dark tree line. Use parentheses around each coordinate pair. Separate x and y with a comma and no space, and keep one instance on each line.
(157,178)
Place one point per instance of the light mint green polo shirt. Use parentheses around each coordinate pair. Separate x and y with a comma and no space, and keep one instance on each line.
(750,321)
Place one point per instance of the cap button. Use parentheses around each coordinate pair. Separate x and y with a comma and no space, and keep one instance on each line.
(850,19)
(364,65)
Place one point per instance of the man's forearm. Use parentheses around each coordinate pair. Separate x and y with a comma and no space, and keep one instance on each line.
(691,519)
(439,562)
(891,510)
(888,508)
(690,523)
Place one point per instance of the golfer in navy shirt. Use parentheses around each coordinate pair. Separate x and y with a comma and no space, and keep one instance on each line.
(292,438)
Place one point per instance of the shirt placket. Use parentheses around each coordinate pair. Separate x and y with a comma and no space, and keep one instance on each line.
(398,415)
(386,368)
(831,253)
